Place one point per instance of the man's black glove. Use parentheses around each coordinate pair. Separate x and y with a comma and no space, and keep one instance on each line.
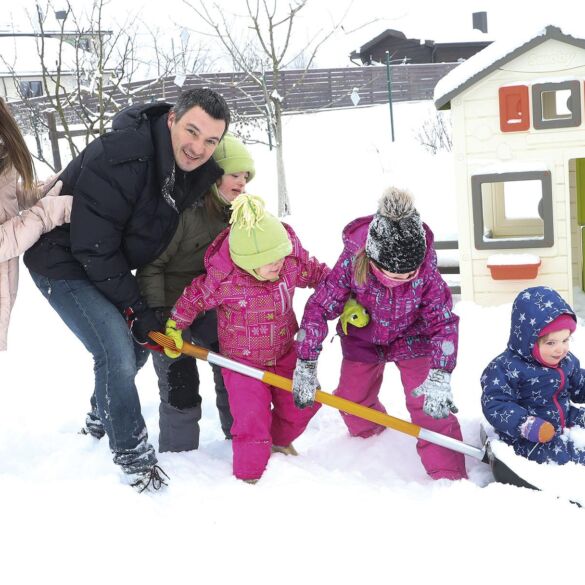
(141,320)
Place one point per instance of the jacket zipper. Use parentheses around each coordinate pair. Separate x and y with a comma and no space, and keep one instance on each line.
(284,296)
(555,397)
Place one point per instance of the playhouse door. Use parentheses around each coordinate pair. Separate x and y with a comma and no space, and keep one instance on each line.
(580,198)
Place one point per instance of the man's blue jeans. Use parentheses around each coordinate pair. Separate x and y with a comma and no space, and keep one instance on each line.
(102,329)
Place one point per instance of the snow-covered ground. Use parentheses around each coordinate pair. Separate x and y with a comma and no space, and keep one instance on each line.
(345,510)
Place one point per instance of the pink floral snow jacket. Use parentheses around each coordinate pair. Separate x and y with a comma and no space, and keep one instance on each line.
(410,320)
(256,321)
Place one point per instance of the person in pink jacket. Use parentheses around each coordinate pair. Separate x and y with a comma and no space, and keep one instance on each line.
(253,268)
(25,211)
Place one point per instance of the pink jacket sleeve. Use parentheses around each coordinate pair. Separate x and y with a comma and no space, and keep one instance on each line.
(312,272)
(20,230)
(197,297)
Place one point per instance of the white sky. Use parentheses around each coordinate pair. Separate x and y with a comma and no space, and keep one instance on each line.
(450,20)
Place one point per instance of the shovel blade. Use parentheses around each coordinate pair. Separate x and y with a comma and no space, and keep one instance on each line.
(504,474)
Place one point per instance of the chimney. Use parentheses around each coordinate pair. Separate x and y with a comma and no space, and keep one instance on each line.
(480,21)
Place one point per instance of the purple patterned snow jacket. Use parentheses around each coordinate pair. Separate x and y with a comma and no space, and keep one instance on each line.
(256,321)
(407,321)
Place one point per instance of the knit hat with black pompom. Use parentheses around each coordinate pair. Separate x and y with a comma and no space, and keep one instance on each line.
(396,238)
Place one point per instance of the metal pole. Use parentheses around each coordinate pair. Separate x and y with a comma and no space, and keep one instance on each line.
(268,114)
(389,80)
(54,139)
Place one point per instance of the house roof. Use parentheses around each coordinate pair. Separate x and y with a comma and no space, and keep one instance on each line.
(372,42)
(21,56)
(473,37)
(493,57)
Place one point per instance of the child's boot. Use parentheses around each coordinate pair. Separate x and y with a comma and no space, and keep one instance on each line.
(286,450)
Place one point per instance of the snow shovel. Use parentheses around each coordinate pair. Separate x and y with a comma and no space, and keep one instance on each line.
(324,398)
(502,473)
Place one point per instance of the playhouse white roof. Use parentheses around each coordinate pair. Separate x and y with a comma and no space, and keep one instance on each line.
(493,56)
(21,56)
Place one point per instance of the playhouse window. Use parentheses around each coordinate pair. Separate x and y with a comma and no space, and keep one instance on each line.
(556,105)
(512,210)
(514,108)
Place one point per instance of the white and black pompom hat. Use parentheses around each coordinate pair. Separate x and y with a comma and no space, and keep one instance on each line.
(396,238)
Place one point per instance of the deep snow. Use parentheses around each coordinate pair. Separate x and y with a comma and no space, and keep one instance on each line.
(345,510)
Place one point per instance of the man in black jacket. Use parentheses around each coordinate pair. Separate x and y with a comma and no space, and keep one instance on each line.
(129,187)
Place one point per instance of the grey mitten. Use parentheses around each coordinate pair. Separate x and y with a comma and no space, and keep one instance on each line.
(305,383)
(437,392)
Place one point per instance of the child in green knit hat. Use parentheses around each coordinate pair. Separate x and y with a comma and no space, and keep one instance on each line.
(258,241)
(253,270)
(238,168)
(161,283)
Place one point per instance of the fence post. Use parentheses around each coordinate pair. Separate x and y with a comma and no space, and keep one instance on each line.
(389,78)
(54,139)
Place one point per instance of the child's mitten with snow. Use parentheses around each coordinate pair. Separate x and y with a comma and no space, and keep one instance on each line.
(537,430)
(305,383)
(176,335)
(437,392)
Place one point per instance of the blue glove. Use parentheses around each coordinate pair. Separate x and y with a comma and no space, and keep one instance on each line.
(305,383)
(437,392)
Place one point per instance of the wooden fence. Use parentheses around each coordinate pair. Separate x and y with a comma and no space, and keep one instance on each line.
(315,89)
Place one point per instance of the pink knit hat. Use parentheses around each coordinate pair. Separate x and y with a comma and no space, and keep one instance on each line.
(564,321)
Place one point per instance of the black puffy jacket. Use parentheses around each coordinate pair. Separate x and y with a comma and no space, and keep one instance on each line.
(127,197)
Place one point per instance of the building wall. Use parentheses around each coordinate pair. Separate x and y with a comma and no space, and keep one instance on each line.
(480,147)
(8,85)
(453,53)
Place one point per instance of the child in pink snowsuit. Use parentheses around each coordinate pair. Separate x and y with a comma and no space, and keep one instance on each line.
(390,267)
(253,268)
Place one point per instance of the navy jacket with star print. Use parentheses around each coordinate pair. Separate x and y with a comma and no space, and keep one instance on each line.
(515,385)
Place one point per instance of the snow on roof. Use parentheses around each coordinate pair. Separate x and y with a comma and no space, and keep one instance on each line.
(448,37)
(494,55)
(21,55)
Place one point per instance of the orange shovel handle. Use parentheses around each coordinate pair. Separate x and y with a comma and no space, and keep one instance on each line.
(283,383)
(341,404)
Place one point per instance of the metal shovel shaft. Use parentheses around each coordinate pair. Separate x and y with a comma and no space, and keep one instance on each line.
(337,402)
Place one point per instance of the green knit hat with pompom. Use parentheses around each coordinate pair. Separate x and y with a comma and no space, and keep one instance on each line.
(256,236)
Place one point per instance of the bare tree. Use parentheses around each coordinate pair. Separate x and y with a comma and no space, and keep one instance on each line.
(86,83)
(263,55)
(435,133)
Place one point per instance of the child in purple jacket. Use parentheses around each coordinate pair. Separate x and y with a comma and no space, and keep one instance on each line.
(390,267)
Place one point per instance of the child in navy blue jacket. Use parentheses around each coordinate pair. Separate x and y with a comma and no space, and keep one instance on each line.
(528,389)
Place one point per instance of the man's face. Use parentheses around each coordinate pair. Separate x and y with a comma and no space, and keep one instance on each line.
(194,137)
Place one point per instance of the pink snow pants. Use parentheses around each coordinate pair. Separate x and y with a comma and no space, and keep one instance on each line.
(263,416)
(361,383)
